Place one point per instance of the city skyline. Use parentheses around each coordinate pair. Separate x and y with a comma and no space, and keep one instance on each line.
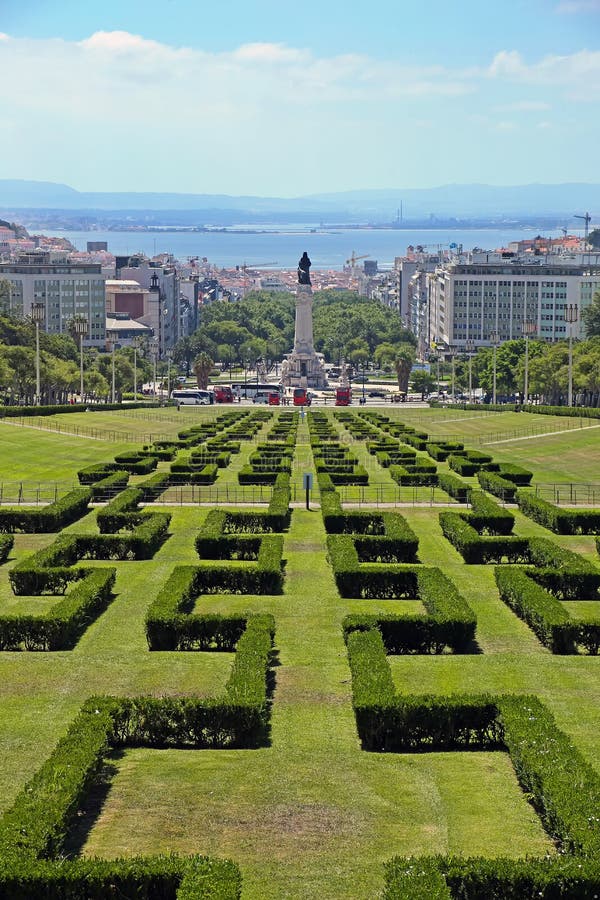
(259,101)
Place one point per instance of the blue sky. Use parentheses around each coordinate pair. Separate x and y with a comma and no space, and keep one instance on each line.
(273,98)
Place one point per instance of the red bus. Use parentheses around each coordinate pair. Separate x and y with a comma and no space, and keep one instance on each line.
(302,397)
(343,396)
(223,394)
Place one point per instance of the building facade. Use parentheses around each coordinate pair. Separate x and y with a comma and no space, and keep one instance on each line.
(475,299)
(66,291)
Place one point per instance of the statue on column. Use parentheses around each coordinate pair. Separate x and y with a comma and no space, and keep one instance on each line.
(304,269)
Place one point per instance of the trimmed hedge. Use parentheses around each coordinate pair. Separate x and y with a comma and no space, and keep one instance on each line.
(110,485)
(477,549)
(544,614)
(6,545)
(556,518)
(37,824)
(454,486)
(170,622)
(61,627)
(497,485)
(47,519)
(562,785)
(448,623)
(487,517)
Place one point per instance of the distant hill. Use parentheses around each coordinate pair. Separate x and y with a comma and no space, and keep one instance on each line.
(458,200)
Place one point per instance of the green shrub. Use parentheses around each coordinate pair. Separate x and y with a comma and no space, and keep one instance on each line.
(495,484)
(558,519)
(454,486)
(478,549)
(47,519)
(544,614)
(6,545)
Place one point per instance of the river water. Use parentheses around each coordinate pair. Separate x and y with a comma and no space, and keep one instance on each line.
(282,249)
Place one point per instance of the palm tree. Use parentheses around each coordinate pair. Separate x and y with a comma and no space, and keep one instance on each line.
(202,367)
(403,362)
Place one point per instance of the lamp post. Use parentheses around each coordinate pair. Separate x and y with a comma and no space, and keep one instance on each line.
(528,328)
(153,346)
(169,358)
(571,316)
(112,343)
(470,349)
(38,314)
(494,338)
(136,343)
(81,327)
(452,356)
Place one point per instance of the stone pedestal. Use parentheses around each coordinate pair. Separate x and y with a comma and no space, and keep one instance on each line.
(303,367)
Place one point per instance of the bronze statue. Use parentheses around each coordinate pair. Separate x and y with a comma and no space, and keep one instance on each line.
(304,269)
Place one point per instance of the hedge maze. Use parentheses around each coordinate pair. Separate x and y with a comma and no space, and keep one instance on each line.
(356,650)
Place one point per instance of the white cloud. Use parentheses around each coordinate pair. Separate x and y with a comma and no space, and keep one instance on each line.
(562,71)
(504,126)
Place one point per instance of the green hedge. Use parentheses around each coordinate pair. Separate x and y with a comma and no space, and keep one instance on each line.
(564,573)
(6,545)
(556,518)
(544,614)
(479,549)
(454,486)
(61,626)
(448,622)
(170,622)
(487,517)
(497,485)
(113,483)
(47,519)
(413,478)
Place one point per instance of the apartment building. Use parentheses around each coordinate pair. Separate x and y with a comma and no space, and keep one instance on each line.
(161,281)
(65,289)
(477,295)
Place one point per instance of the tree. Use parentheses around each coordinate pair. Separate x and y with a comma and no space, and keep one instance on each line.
(594,238)
(591,315)
(403,362)
(202,367)
(423,381)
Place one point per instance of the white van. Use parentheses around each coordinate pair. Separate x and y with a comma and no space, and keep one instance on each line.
(192,397)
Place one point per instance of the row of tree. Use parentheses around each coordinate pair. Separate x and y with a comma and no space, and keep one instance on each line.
(60,367)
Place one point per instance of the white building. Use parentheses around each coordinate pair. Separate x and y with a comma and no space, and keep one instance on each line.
(162,282)
(475,296)
(65,289)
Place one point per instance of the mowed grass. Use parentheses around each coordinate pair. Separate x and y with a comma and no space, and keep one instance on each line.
(311,815)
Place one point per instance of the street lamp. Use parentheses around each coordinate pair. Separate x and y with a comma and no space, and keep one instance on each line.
(494,338)
(470,349)
(528,328)
(451,353)
(80,324)
(38,314)
(137,345)
(153,347)
(571,316)
(169,358)
(112,344)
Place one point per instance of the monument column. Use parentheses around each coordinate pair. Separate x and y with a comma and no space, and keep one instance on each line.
(303,367)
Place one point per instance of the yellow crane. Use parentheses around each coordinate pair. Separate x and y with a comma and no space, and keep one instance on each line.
(353,280)
(354,259)
(245,266)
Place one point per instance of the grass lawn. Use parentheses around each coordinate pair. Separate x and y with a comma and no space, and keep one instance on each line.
(311,815)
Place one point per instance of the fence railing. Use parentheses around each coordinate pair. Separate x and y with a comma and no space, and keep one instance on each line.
(569,494)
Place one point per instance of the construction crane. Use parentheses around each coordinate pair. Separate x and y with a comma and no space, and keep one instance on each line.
(354,259)
(245,266)
(587,219)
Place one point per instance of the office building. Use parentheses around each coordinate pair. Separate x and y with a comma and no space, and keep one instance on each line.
(65,289)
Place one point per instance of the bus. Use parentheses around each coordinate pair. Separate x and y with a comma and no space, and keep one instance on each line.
(223,393)
(251,388)
(192,397)
(343,396)
(302,397)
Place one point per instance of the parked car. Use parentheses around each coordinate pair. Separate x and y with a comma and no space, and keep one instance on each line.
(261,397)
(377,394)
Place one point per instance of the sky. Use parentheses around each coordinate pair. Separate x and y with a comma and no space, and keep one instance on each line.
(271,98)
